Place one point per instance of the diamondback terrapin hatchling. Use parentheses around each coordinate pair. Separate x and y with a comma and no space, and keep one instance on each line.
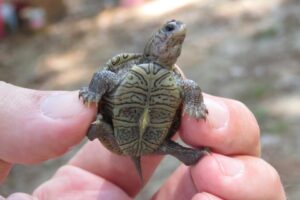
(141,98)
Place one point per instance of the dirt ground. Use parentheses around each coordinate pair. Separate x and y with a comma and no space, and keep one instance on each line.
(246,50)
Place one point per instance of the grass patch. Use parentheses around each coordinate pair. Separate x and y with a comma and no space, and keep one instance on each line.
(261,114)
(279,126)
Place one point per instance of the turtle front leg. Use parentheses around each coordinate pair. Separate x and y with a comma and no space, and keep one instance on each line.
(193,100)
(186,155)
(101,82)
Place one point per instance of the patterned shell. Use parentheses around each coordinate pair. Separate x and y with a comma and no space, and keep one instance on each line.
(144,107)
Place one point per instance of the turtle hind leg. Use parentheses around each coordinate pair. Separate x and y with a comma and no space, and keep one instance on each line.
(137,164)
(186,155)
(103,131)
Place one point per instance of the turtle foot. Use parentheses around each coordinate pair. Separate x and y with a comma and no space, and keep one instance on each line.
(196,111)
(188,156)
(191,156)
(88,96)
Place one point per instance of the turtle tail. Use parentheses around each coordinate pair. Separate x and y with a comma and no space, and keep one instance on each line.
(137,163)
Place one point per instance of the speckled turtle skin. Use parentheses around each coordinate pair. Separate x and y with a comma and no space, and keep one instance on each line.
(141,98)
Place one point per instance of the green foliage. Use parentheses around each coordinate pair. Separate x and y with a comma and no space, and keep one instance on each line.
(266,33)
(255,91)
(269,123)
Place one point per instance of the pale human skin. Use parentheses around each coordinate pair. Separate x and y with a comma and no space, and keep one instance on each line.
(36,126)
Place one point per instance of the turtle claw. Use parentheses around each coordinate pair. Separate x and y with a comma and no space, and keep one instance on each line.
(88,97)
(98,120)
(196,112)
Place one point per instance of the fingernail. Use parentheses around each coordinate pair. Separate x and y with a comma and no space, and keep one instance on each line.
(62,105)
(229,166)
(218,114)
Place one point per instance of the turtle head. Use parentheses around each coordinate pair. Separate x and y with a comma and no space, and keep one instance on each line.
(164,47)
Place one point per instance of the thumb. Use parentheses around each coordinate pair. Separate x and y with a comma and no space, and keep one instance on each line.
(39,125)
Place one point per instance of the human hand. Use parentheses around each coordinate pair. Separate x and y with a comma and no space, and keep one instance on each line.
(233,172)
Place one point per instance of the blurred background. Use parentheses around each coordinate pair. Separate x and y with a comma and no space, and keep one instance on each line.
(242,49)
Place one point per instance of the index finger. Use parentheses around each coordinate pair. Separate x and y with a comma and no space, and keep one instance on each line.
(230,128)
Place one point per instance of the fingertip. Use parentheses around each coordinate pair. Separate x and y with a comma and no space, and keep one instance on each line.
(63,105)
(245,126)
(237,177)
(67,119)
(193,131)
(230,128)
(210,132)
(61,124)
(217,120)
(216,171)
(39,125)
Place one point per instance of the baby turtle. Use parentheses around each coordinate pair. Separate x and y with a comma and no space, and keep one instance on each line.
(141,98)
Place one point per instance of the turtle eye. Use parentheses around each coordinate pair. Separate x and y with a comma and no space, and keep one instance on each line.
(170,27)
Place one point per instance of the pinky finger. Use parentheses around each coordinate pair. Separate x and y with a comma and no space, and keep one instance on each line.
(205,196)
